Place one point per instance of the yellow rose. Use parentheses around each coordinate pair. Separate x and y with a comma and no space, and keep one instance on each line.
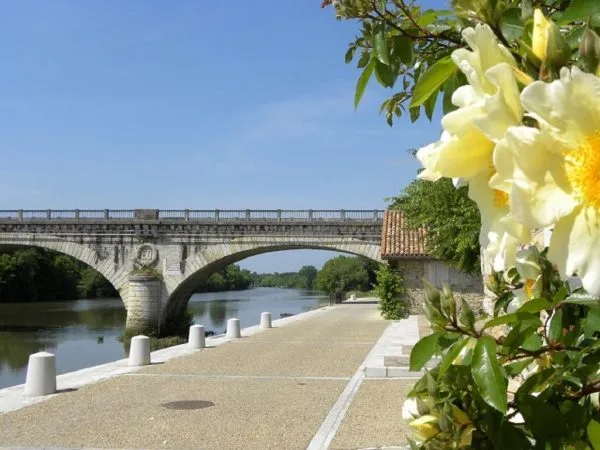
(554,171)
(488,106)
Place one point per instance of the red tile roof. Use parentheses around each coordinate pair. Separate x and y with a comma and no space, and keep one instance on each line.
(398,240)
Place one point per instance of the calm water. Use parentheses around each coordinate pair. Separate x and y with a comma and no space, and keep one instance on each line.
(84,333)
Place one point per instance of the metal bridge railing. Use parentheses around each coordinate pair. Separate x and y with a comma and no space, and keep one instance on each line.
(194,215)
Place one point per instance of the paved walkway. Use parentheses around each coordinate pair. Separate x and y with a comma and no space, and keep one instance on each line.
(296,386)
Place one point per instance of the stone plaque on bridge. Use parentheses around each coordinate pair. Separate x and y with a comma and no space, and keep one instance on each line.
(147,256)
(145,214)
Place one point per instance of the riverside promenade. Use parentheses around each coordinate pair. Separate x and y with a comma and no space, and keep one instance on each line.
(298,385)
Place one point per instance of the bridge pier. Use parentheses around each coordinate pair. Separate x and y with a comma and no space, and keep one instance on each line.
(143,304)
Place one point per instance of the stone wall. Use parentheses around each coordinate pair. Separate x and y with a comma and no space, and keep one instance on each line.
(464,286)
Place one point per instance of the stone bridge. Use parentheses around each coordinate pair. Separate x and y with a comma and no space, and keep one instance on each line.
(156,258)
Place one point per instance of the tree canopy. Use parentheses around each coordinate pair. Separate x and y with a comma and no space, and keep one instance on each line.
(346,273)
(35,274)
(451,218)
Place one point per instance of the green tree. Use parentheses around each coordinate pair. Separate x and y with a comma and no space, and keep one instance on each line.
(230,278)
(307,275)
(343,274)
(391,292)
(450,217)
(33,274)
(92,285)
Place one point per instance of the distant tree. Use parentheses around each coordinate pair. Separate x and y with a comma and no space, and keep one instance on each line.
(92,284)
(342,274)
(230,278)
(307,275)
(34,274)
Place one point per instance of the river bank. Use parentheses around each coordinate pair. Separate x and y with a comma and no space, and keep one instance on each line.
(240,393)
(85,333)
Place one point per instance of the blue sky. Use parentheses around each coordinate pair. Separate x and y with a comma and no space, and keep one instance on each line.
(192,104)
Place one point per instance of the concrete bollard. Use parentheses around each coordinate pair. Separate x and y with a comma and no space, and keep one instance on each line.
(233,328)
(139,351)
(265,320)
(41,374)
(196,339)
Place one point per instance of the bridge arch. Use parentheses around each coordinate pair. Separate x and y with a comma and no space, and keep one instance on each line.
(218,256)
(75,250)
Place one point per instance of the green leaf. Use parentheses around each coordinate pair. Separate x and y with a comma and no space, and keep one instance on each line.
(538,381)
(447,340)
(592,358)
(555,328)
(517,367)
(433,315)
(577,416)
(526,10)
(574,37)
(423,351)
(466,317)
(430,105)
(432,384)
(363,80)
(592,323)
(447,301)
(453,353)
(364,59)
(535,305)
(433,295)
(350,54)
(544,420)
(384,74)
(533,343)
(509,318)
(559,297)
(381,48)
(414,114)
(432,79)
(579,11)
(512,25)
(582,299)
(427,18)
(403,49)
(450,86)
(521,332)
(593,432)
(487,374)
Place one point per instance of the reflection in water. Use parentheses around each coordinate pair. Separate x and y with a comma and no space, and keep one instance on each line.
(14,352)
(84,333)
(218,312)
(27,328)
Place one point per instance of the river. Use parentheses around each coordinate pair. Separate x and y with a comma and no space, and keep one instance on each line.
(84,333)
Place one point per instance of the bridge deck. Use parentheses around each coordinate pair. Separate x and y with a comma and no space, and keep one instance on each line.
(273,389)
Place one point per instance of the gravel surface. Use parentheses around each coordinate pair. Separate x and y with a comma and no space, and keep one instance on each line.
(251,358)
(250,410)
(127,413)
(374,418)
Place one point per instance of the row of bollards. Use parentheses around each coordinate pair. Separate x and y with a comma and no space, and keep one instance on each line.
(41,370)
